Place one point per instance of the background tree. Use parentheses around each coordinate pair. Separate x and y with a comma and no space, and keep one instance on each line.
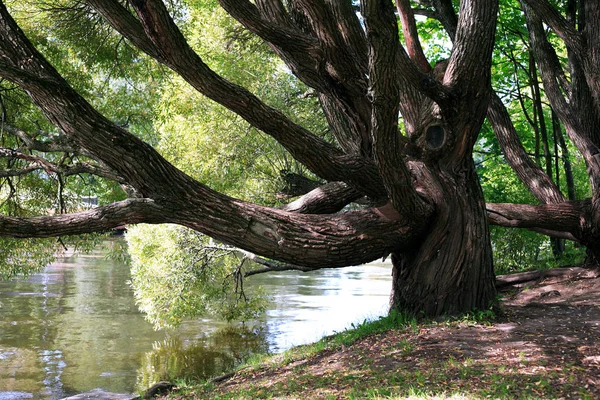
(427,207)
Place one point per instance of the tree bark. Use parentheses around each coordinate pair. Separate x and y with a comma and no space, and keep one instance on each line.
(450,271)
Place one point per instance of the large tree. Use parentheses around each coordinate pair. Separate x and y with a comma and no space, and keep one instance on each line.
(404,133)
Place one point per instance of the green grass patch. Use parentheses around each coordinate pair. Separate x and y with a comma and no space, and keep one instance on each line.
(394,320)
(390,367)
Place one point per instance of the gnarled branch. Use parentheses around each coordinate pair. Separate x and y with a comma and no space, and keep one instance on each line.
(411,36)
(327,199)
(99,219)
(56,144)
(388,143)
(536,180)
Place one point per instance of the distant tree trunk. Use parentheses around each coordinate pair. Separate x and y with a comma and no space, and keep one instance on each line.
(450,271)
(557,245)
(565,157)
(534,123)
(539,111)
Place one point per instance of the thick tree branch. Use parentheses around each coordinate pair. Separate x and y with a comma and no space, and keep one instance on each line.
(332,67)
(411,35)
(563,29)
(351,30)
(533,276)
(296,184)
(100,219)
(555,234)
(536,180)
(470,62)
(327,199)
(444,12)
(347,71)
(547,61)
(126,24)
(341,65)
(343,239)
(388,143)
(591,62)
(274,11)
(468,74)
(301,52)
(568,216)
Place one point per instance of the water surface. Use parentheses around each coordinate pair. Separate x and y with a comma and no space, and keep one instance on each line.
(75,327)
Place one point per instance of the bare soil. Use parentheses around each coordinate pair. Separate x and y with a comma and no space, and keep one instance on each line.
(545,345)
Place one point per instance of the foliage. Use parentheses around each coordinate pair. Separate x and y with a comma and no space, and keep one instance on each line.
(24,257)
(213,144)
(95,60)
(174,276)
(517,250)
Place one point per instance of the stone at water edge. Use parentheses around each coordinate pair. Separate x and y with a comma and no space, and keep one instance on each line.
(99,395)
(159,388)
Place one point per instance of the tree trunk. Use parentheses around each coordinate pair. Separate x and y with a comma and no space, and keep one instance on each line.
(451,271)
(565,156)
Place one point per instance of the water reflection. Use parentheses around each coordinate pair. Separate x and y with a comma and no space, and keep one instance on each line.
(172,359)
(76,328)
(311,305)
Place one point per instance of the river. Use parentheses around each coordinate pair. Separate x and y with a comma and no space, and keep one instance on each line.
(75,327)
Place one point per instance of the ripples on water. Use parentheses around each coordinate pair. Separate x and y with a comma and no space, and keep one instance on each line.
(75,327)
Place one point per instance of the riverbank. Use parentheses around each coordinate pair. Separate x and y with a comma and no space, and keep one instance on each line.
(545,345)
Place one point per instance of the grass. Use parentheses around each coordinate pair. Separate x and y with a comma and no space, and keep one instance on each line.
(383,359)
(394,320)
(358,331)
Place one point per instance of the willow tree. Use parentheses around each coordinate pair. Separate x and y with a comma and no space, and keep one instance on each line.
(403,131)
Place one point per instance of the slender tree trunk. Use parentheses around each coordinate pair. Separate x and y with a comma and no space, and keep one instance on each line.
(451,271)
(565,156)
(536,129)
(559,140)
(537,102)
(557,245)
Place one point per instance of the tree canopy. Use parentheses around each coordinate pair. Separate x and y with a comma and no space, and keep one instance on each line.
(406,128)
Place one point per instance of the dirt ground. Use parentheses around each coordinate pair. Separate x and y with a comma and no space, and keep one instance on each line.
(545,345)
